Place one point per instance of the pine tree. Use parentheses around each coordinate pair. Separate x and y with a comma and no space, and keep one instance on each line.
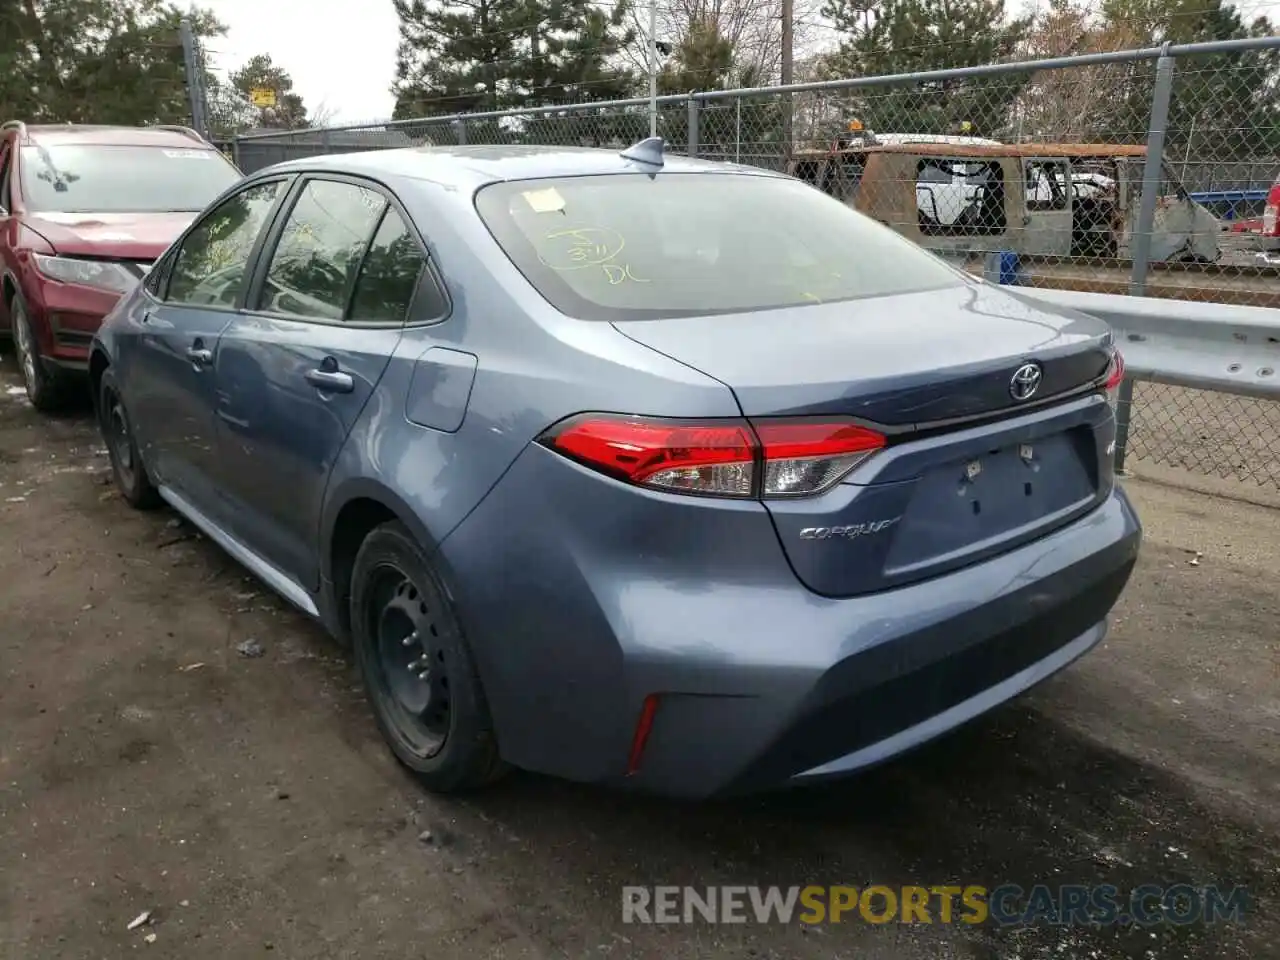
(96,61)
(905,36)
(701,60)
(573,49)
(260,73)
(1227,104)
(459,56)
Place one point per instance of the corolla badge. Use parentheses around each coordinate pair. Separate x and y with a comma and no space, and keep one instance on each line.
(849,531)
(1026,381)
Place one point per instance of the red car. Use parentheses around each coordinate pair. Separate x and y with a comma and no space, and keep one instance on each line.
(1270,232)
(84,211)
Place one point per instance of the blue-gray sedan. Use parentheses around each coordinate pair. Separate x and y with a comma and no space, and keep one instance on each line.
(624,467)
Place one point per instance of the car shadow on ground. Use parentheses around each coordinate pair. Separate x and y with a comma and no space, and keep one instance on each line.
(1018,797)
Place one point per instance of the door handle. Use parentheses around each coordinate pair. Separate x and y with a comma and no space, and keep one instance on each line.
(199,356)
(331,381)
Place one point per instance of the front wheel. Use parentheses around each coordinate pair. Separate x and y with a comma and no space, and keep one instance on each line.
(45,388)
(418,670)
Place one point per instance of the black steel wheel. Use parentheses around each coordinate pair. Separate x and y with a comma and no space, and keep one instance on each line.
(418,670)
(411,663)
(122,449)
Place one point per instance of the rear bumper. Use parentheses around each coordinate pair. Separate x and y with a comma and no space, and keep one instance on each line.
(879,703)
(760,682)
(893,671)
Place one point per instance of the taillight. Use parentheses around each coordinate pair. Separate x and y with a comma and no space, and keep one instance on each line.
(1271,212)
(715,457)
(725,458)
(1114,374)
(801,458)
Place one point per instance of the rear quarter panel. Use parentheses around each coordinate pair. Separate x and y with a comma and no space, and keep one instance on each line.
(533,367)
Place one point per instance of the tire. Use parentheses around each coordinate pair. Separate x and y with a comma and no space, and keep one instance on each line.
(116,428)
(46,389)
(418,670)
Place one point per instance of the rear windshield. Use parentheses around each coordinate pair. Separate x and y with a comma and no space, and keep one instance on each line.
(90,178)
(635,247)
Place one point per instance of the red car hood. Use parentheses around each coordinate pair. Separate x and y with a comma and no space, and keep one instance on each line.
(123,236)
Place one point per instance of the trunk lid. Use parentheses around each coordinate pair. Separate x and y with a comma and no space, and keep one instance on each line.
(897,361)
(969,472)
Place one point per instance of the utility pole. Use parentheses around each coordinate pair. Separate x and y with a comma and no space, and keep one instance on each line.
(788,51)
(653,67)
(195,80)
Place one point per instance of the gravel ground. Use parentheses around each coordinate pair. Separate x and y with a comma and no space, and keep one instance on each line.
(145,765)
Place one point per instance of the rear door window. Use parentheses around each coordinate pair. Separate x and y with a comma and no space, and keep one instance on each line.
(390,275)
(631,246)
(313,268)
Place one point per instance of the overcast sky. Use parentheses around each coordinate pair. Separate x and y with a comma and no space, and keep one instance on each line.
(341,53)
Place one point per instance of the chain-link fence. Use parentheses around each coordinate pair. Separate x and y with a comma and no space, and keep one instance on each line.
(1141,171)
(1212,434)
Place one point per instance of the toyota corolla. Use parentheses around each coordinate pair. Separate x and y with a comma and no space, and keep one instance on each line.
(626,468)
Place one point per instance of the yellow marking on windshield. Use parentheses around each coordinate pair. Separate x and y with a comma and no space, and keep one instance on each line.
(617,274)
(582,247)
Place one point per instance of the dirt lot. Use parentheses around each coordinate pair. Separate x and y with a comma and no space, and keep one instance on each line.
(248,803)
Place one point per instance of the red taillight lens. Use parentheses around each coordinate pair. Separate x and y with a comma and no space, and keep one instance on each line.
(715,457)
(1115,372)
(727,458)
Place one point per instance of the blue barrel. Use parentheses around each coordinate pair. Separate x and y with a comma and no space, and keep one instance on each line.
(1001,267)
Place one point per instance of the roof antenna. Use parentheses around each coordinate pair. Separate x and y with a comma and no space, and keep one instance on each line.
(648,150)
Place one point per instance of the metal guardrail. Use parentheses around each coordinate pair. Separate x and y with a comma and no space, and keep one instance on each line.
(1202,390)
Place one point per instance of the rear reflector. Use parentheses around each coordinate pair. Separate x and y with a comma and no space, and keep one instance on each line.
(726,458)
(644,726)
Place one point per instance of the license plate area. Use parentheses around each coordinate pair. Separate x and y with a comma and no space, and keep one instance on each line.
(1013,491)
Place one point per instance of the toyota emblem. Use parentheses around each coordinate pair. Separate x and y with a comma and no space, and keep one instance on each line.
(1026,381)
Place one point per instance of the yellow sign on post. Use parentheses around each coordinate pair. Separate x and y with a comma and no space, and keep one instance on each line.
(262,97)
